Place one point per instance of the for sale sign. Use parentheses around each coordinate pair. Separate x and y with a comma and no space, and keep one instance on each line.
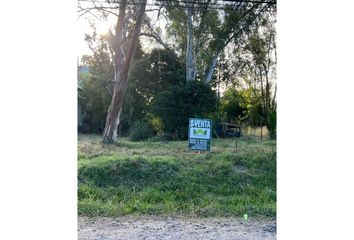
(199,135)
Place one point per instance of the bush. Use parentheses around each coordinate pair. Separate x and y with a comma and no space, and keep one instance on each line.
(178,103)
(272,124)
(140,130)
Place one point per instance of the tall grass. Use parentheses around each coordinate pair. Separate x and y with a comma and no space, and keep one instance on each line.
(166,178)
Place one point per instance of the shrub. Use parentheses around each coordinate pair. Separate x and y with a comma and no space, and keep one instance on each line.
(140,130)
(178,103)
(272,124)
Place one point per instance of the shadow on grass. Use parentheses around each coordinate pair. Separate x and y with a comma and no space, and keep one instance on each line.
(129,173)
(202,185)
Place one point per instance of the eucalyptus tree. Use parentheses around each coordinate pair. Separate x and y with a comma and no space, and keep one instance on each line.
(254,62)
(203,28)
(262,49)
(123,40)
(97,87)
(200,26)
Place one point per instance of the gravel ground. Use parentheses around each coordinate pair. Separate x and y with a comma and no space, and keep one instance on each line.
(158,227)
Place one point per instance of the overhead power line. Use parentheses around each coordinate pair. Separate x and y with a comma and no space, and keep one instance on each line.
(174,3)
(185,1)
(108,6)
(221,2)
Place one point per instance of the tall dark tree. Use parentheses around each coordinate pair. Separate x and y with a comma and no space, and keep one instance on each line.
(179,102)
(149,76)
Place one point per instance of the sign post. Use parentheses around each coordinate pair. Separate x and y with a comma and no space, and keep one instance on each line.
(199,134)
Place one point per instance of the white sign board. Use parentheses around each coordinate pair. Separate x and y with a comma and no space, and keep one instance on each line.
(199,134)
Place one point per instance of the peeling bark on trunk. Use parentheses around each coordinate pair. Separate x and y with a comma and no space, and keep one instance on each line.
(212,67)
(122,65)
(275,94)
(266,98)
(114,110)
(190,65)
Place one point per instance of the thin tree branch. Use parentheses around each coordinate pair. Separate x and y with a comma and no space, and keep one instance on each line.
(157,38)
(169,25)
(154,35)
(85,11)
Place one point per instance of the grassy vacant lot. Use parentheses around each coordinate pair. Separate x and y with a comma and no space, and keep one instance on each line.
(165,178)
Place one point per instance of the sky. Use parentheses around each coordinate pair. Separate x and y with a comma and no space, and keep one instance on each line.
(102,26)
(84,27)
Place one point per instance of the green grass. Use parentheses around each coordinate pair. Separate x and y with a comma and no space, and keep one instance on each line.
(165,178)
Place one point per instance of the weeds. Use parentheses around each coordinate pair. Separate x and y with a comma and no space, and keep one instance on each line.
(153,177)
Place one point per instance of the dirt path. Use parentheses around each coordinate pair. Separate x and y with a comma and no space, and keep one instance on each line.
(157,227)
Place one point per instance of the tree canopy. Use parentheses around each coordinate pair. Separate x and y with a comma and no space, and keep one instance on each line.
(214,58)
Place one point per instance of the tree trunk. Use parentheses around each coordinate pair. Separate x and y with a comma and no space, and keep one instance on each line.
(212,67)
(121,75)
(275,94)
(267,87)
(115,109)
(190,65)
(262,90)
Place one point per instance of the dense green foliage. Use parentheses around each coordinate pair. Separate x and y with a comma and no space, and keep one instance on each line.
(140,130)
(157,91)
(232,106)
(259,55)
(180,102)
(166,178)
(272,124)
(150,75)
(97,86)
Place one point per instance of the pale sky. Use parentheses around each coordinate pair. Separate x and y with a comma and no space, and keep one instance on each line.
(84,27)
(102,27)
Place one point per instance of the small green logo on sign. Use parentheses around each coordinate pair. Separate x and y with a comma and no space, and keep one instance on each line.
(200,131)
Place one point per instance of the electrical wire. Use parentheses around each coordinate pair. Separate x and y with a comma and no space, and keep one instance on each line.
(175,3)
